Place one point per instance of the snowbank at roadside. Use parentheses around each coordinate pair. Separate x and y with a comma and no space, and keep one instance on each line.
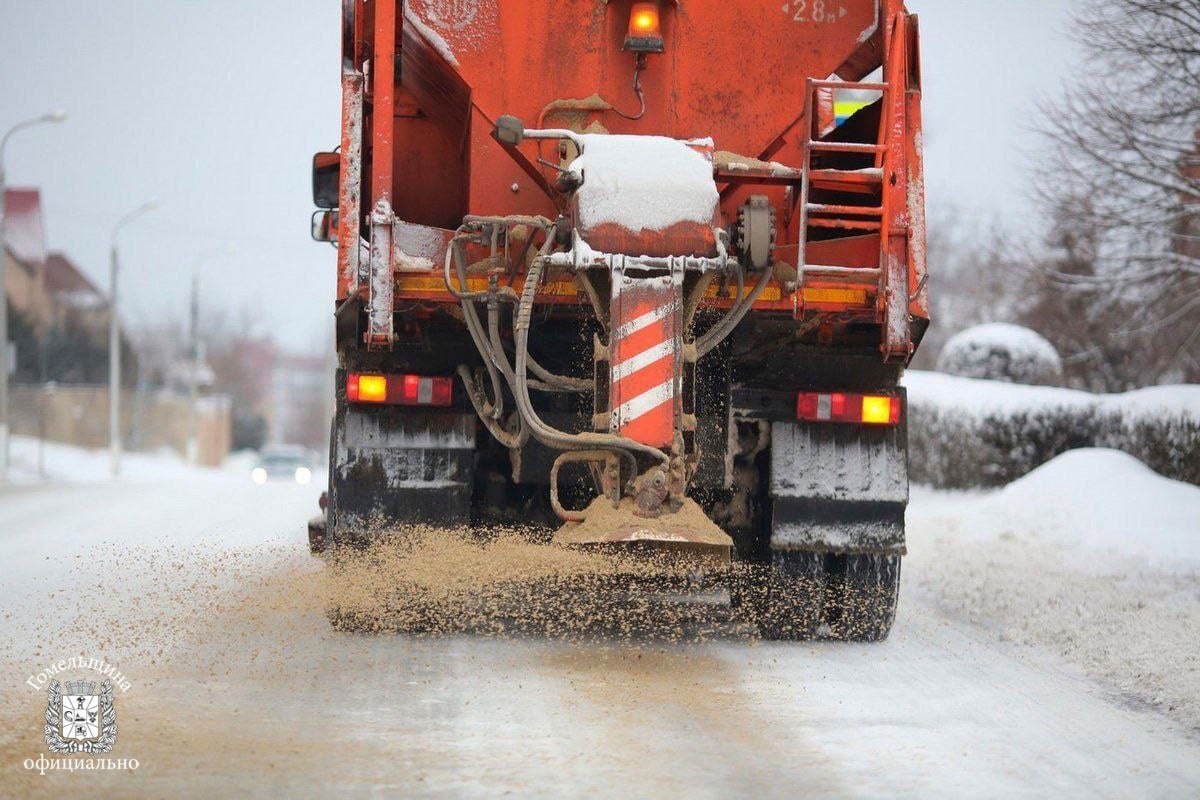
(1094,499)
(63,463)
(1108,500)
(965,432)
(1092,556)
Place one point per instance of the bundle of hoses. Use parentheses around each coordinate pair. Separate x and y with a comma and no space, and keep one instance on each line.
(496,362)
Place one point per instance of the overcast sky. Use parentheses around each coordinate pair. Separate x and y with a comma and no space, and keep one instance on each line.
(215,107)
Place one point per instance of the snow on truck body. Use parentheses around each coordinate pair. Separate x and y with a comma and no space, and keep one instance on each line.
(644,183)
(634,253)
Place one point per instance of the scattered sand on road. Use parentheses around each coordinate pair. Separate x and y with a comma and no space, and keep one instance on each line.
(428,581)
(213,640)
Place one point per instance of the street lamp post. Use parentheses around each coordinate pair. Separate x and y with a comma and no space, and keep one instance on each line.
(193,445)
(54,116)
(114,342)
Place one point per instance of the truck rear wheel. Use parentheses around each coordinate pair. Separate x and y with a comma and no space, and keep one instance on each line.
(861,595)
(804,594)
(785,598)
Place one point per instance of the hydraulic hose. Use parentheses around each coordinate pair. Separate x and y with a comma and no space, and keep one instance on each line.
(735,316)
(475,328)
(497,345)
(560,383)
(483,408)
(697,295)
(452,252)
(548,436)
(496,361)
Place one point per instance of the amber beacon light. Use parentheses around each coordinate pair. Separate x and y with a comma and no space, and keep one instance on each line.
(645,29)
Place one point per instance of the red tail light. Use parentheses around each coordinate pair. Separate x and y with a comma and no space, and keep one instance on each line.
(401,390)
(867,409)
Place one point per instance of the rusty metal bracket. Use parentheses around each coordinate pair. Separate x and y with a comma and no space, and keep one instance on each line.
(380,285)
(350,199)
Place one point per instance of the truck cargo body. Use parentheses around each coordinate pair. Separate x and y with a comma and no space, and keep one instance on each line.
(645,253)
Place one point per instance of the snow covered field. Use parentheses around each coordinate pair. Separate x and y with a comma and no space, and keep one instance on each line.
(1045,646)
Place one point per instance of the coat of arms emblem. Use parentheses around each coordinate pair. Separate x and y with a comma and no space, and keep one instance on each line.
(78,719)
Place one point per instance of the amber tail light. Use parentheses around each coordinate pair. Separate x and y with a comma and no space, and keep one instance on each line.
(401,390)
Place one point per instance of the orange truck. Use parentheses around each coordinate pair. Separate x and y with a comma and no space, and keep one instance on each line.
(649,272)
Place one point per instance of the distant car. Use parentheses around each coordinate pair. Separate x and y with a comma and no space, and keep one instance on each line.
(283,464)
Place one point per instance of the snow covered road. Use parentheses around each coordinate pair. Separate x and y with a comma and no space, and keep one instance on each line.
(199,590)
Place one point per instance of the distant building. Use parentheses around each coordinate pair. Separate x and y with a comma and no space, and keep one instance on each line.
(59,321)
(57,317)
(72,296)
(24,234)
(24,256)
(278,397)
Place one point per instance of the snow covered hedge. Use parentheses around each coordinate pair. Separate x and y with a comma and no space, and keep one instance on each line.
(965,432)
(1001,352)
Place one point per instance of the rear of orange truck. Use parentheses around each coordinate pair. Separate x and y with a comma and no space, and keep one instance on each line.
(647,272)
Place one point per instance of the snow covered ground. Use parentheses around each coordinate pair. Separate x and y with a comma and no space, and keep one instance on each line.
(1091,556)
(38,461)
(1045,646)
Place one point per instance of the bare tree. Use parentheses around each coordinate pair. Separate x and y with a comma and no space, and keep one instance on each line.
(1122,186)
(973,282)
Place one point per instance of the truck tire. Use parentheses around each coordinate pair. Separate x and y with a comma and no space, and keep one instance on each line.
(837,499)
(803,595)
(785,598)
(861,595)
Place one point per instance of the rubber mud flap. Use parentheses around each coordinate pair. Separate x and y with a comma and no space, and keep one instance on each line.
(392,466)
(838,488)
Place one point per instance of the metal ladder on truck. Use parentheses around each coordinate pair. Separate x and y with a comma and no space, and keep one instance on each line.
(888,275)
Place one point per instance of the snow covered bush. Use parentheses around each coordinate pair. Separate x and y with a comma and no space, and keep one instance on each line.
(969,433)
(1001,352)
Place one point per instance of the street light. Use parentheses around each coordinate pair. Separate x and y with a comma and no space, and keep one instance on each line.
(193,445)
(114,342)
(53,116)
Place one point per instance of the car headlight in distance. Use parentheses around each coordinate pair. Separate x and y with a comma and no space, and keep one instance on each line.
(258,475)
(303,475)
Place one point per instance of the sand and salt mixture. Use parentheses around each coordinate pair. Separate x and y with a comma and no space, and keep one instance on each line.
(220,644)
(435,582)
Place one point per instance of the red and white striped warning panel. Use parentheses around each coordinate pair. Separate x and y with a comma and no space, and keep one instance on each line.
(645,364)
